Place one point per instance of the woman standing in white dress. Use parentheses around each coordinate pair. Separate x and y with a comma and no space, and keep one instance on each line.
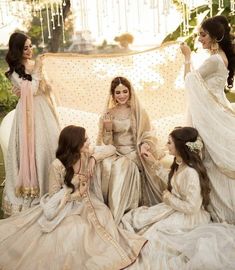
(34,132)
(213,115)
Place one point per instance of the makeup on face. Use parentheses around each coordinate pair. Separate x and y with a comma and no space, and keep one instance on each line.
(171,146)
(121,94)
(28,50)
(205,39)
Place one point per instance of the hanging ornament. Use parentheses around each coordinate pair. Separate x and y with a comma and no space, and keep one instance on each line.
(62,22)
(48,22)
(211,8)
(41,24)
(232,6)
(58,14)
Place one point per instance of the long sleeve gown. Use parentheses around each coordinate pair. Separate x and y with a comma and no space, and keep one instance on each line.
(214,117)
(126,178)
(179,230)
(67,231)
(46,134)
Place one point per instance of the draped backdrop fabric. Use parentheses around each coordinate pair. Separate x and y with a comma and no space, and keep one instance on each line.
(80,84)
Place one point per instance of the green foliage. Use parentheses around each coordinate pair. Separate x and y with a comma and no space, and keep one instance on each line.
(204,10)
(35,32)
(230,96)
(8,101)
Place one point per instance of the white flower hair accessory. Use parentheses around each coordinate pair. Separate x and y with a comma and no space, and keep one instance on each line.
(195,146)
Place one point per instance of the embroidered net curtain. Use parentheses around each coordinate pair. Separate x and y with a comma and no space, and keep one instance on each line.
(81,83)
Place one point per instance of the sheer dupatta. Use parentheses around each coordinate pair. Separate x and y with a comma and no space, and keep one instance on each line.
(215,122)
(27,182)
(151,185)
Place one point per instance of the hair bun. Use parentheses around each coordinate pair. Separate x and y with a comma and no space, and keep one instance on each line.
(224,22)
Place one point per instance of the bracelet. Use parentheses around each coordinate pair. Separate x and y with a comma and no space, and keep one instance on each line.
(93,158)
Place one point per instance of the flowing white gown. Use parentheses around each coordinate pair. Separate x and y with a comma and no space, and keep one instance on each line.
(46,131)
(214,118)
(179,230)
(66,232)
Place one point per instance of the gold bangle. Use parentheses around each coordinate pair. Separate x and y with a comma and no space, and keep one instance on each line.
(93,158)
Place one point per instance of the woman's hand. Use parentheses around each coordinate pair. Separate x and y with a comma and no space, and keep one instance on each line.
(107,121)
(16,91)
(144,148)
(91,166)
(165,195)
(149,157)
(186,51)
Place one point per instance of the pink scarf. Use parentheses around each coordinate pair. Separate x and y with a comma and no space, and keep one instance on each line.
(27,183)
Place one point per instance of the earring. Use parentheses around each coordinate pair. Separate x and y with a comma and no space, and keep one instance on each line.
(214,47)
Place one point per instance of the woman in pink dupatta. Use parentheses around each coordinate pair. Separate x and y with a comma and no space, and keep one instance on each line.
(34,132)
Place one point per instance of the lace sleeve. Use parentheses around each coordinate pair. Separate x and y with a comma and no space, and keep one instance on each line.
(161,172)
(208,67)
(190,200)
(56,177)
(36,77)
(105,137)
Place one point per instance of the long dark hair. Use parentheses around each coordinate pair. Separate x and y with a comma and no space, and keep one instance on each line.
(14,56)
(219,29)
(180,137)
(120,80)
(71,140)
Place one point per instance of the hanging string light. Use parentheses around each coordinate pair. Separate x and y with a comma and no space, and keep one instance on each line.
(118,15)
(232,7)
(210,6)
(62,21)
(48,22)
(41,24)
(222,3)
